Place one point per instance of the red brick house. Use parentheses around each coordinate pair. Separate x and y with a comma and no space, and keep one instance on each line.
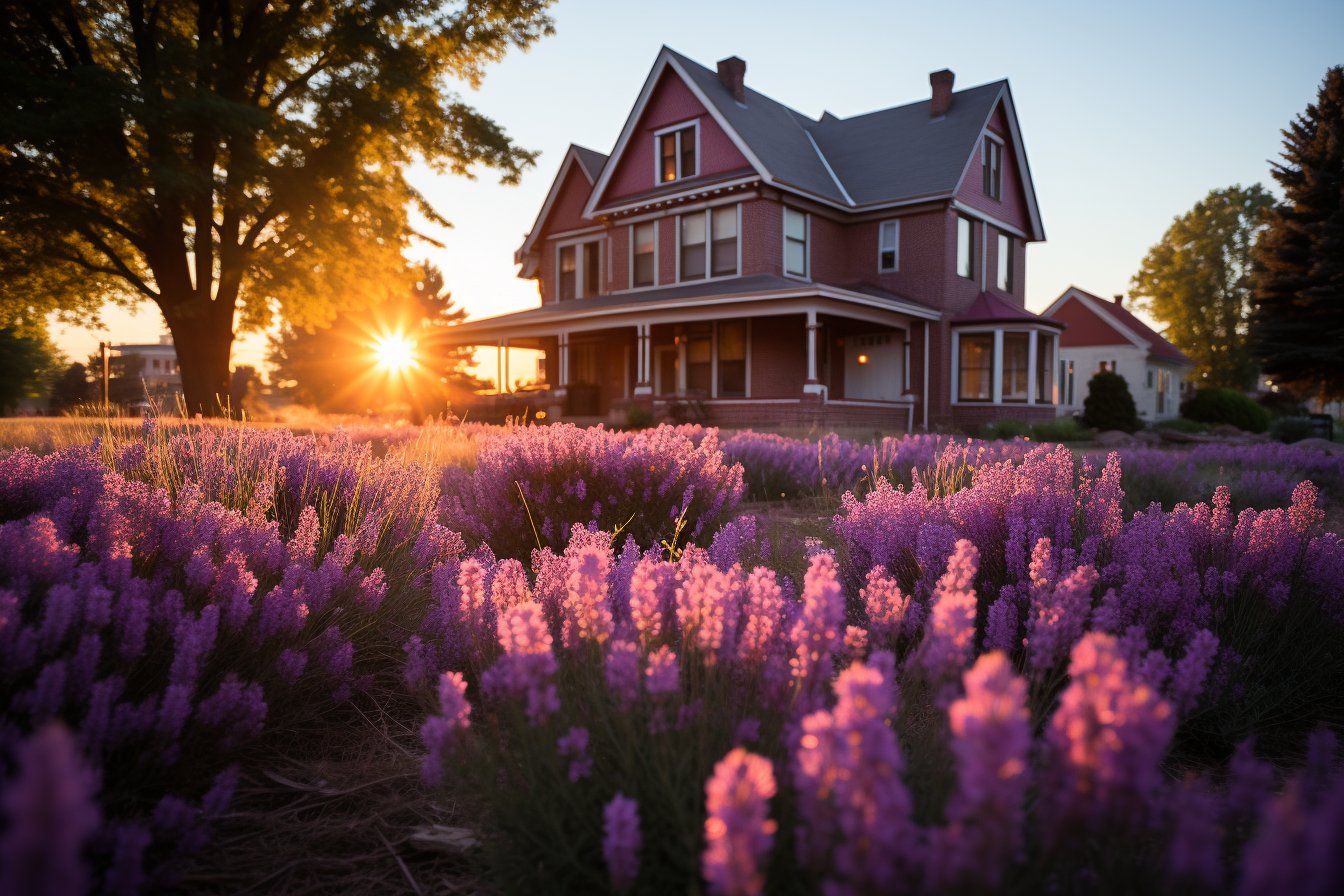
(1104,334)
(773,267)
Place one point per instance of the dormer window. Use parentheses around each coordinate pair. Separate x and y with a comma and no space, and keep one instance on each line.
(676,152)
(993,168)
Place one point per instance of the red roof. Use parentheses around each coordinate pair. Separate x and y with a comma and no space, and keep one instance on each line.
(991,309)
(1158,346)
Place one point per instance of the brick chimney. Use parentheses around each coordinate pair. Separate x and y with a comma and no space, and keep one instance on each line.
(941,81)
(732,72)
(1119,298)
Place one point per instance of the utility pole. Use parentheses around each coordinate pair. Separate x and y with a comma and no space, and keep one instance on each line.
(103,348)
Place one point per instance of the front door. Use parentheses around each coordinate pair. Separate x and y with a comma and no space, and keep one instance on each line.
(665,370)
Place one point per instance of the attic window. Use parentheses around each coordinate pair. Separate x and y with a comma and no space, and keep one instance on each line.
(993,168)
(677,152)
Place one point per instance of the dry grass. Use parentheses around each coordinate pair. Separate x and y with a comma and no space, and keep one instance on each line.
(345,813)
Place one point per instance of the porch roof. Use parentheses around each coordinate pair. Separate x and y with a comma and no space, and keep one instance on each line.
(991,309)
(699,300)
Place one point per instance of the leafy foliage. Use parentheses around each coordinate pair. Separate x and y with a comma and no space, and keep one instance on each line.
(27,363)
(1299,274)
(1108,404)
(1226,406)
(1197,281)
(230,163)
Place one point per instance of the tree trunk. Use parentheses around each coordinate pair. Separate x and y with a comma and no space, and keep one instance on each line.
(203,343)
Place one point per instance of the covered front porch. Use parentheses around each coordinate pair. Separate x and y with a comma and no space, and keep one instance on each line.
(804,355)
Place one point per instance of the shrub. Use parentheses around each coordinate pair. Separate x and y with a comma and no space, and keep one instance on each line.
(638,417)
(1281,403)
(1005,429)
(1183,424)
(1292,429)
(1108,404)
(1063,429)
(1226,406)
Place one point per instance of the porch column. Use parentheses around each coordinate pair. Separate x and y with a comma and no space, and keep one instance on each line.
(563,372)
(642,379)
(499,367)
(996,370)
(508,380)
(1031,367)
(812,386)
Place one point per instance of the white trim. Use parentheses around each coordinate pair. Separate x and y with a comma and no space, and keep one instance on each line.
(660,204)
(1019,153)
(658,181)
(829,169)
(984,256)
(897,248)
(970,211)
(1087,301)
(575,232)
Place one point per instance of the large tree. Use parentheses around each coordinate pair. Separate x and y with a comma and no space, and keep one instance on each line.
(233,160)
(1196,281)
(1298,322)
(338,368)
(27,364)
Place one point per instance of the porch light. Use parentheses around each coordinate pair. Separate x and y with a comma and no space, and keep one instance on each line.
(863,359)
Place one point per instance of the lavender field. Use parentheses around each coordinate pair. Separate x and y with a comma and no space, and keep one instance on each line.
(549,659)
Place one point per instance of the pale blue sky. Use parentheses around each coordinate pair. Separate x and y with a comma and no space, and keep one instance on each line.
(1131,112)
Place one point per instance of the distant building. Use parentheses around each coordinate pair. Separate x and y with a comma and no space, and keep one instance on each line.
(159,375)
(1105,334)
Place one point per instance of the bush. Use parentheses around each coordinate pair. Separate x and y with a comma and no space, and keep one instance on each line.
(1281,404)
(1226,406)
(1005,429)
(1292,429)
(1064,429)
(638,417)
(1181,424)
(1108,404)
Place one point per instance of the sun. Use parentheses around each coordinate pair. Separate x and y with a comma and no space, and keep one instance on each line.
(394,352)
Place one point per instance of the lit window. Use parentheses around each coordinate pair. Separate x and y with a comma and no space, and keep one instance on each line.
(1015,366)
(676,154)
(693,246)
(733,358)
(795,242)
(965,249)
(643,237)
(1005,262)
(568,272)
(993,168)
(976,367)
(888,246)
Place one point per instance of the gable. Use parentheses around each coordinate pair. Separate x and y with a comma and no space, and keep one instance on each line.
(670,102)
(1085,326)
(1011,208)
(567,211)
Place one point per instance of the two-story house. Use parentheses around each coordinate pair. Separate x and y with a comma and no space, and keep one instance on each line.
(867,270)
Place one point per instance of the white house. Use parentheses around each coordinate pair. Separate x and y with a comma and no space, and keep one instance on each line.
(1105,334)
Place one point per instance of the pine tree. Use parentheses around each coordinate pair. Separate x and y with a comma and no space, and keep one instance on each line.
(1298,321)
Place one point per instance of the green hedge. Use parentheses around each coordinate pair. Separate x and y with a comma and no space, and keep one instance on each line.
(1226,406)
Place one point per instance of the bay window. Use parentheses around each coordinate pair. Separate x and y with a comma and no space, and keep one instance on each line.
(1015,349)
(976,370)
(1045,353)
(1006,364)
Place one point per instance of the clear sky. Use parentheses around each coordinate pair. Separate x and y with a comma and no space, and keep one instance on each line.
(1131,112)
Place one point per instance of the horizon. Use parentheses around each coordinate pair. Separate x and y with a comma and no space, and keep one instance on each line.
(1107,189)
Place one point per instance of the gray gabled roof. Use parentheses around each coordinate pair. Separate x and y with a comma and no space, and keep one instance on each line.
(591,160)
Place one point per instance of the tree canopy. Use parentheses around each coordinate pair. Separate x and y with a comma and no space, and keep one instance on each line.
(1299,274)
(234,161)
(28,363)
(1197,282)
(337,367)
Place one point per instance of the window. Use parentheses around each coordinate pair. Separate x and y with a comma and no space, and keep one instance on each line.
(733,358)
(976,367)
(693,246)
(1066,383)
(592,269)
(993,165)
(889,246)
(965,249)
(1005,262)
(1150,377)
(723,224)
(568,272)
(642,239)
(676,153)
(1163,385)
(795,242)
(698,360)
(1045,350)
(1015,369)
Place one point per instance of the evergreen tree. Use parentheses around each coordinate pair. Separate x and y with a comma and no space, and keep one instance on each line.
(1196,281)
(1109,405)
(234,162)
(1298,321)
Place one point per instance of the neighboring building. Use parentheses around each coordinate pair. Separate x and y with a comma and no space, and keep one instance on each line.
(775,267)
(1106,334)
(159,373)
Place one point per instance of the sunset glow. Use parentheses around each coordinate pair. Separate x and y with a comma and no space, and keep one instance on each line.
(395,352)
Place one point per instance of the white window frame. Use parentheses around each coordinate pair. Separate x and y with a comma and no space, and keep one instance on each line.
(578,244)
(656,234)
(896,248)
(658,181)
(997,193)
(807,243)
(996,365)
(708,212)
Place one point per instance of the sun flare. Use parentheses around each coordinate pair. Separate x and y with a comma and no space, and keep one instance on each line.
(394,352)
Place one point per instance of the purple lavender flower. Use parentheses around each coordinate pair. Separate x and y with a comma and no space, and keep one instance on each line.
(622,671)
(708,605)
(1187,681)
(1195,855)
(621,841)
(442,732)
(738,829)
(126,874)
(817,633)
(949,639)
(574,747)
(50,814)
(663,675)
(587,613)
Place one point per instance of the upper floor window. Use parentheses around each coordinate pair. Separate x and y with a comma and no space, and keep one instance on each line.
(889,246)
(1005,278)
(708,243)
(795,242)
(677,152)
(993,168)
(580,270)
(643,238)
(965,249)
